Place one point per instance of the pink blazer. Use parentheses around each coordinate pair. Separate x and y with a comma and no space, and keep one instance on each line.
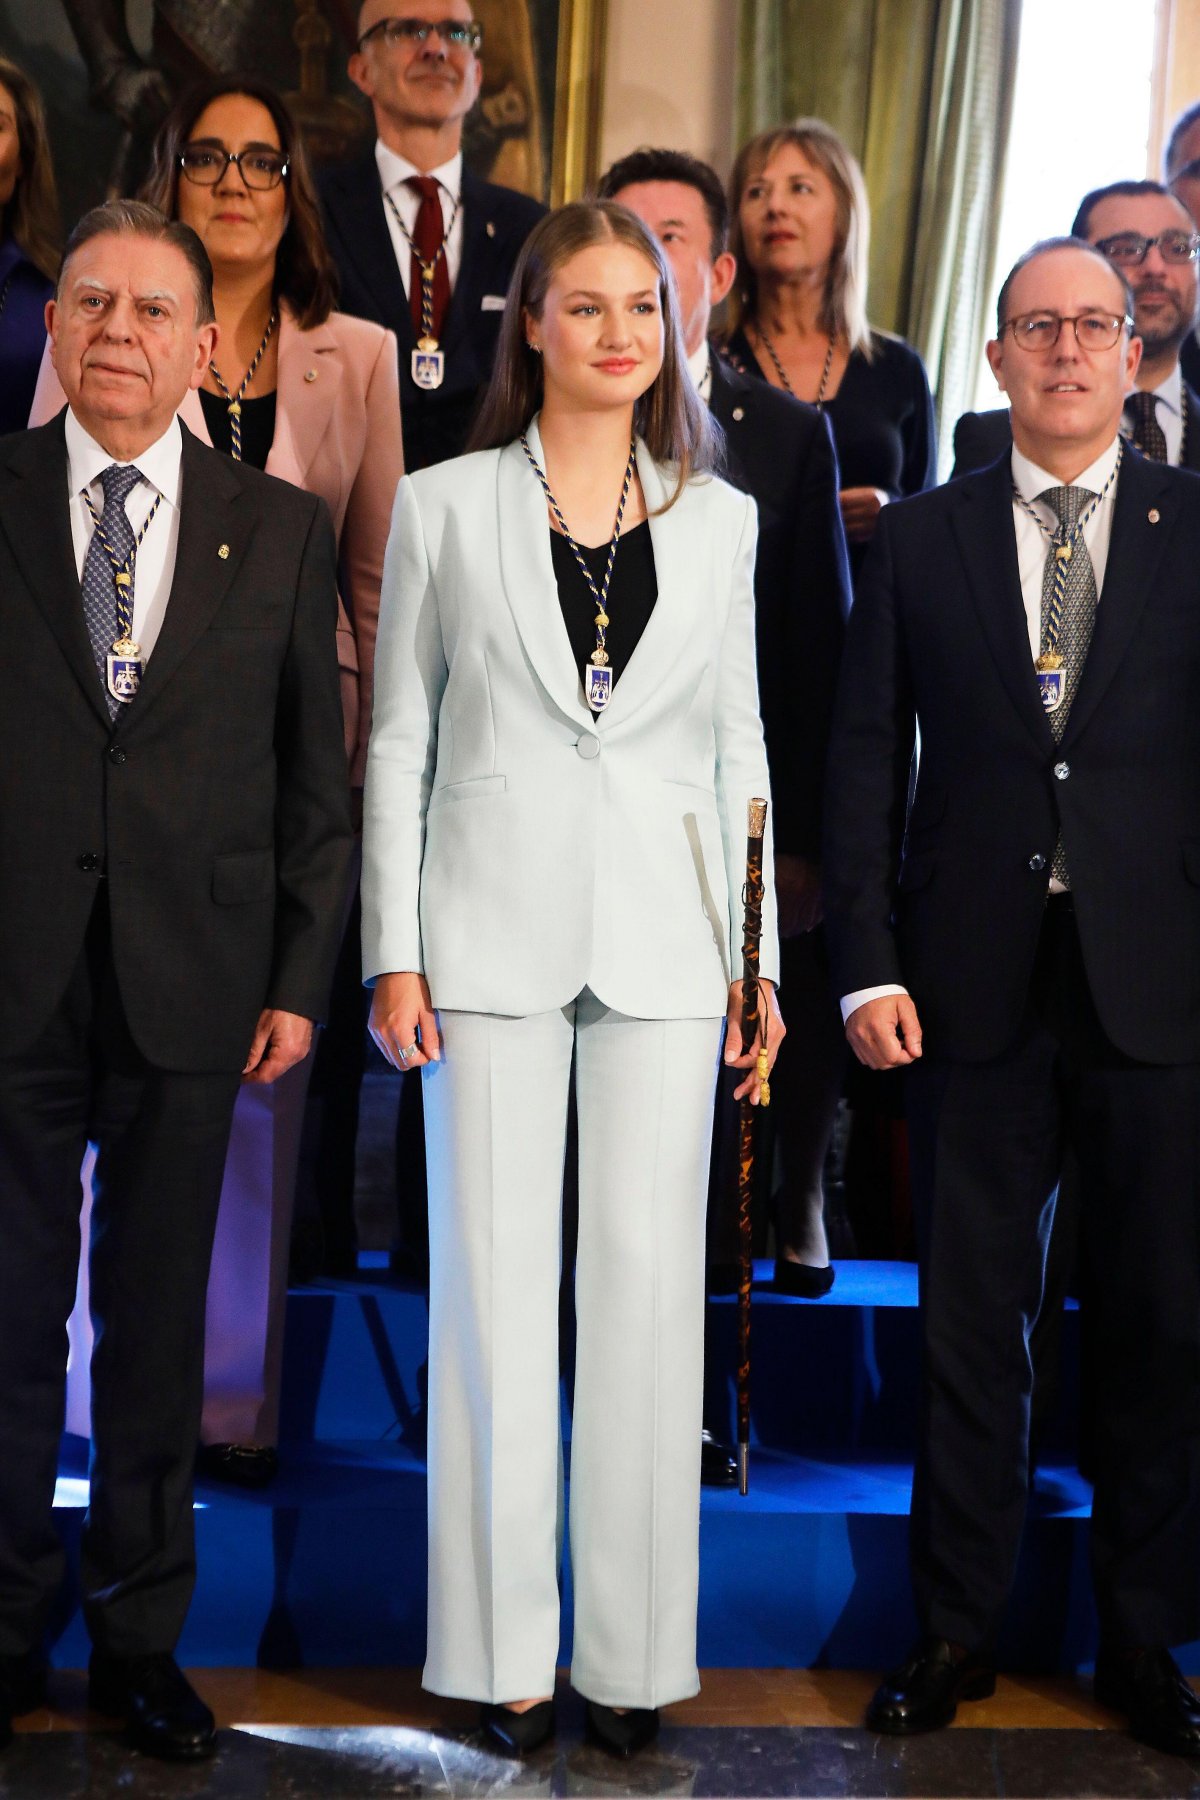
(337,434)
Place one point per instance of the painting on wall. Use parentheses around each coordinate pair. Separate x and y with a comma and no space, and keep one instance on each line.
(108,70)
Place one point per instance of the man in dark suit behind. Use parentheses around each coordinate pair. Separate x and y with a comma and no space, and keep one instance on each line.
(1181,171)
(1027,946)
(1148,234)
(175,850)
(414,188)
(781,451)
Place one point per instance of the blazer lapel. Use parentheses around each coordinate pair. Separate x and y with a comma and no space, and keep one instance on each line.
(675,611)
(1143,514)
(987,543)
(214,530)
(364,230)
(527,572)
(310,374)
(36,520)
(1191,415)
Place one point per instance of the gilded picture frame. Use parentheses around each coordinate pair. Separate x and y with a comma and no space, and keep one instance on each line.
(578,98)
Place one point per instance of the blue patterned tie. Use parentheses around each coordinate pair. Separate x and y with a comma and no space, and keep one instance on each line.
(99,589)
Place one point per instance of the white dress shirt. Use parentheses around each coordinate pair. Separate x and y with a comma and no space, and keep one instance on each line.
(1032,548)
(162,472)
(394,174)
(699,366)
(1168,412)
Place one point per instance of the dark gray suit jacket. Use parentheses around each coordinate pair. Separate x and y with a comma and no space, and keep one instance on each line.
(215,807)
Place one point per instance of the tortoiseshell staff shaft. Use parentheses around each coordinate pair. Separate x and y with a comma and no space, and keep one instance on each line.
(752,933)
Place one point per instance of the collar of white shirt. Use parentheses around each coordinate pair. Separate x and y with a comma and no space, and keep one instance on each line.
(700,369)
(395,170)
(1030,481)
(161,463)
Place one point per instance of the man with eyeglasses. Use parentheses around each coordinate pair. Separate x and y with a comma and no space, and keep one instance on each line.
(1025,944)
(422,245)
(1148,234)
(1181,164)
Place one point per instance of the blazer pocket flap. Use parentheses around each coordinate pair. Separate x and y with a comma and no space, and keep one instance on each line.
(1191,859)
(242,876)
(916,870)
(476,789)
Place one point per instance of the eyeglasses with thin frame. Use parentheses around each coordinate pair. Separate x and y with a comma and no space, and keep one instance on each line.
(1128,249)
(456,34)
(1041,330)
(259,167)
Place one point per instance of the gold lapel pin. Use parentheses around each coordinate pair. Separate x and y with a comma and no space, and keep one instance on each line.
(310,374)
(491,229)
(739,413)
(1154,515)
(223,552)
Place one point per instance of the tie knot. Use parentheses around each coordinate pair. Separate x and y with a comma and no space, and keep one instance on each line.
(119,481)
(425,185)
(1067,503)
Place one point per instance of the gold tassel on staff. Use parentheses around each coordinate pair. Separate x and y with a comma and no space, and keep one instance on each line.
(752,934)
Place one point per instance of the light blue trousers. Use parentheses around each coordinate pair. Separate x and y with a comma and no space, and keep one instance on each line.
(495,1120)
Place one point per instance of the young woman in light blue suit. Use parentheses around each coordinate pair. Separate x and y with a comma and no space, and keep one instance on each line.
(545,882)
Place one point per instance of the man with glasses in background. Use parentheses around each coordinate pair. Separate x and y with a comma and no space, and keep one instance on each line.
(422,245)
(1147,233)
(1026,945)
(1181,163)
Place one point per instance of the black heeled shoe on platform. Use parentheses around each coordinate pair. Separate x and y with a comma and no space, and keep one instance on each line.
(622,1733)
(518,1733)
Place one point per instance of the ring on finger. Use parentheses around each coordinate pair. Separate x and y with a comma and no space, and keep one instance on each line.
(410,1050)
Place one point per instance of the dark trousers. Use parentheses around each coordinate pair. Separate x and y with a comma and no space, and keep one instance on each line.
(989,1142)
(161,1140)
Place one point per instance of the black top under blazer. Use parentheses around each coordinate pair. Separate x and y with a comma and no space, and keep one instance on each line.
(950,905)
(215,807)
(979,438)
(496,221)
(780,452)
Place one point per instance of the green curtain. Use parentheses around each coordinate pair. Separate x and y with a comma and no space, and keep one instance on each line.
(922,92)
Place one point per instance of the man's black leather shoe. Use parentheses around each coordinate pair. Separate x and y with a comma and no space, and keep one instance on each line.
(518,1733)
(923,1693)
(622,1733)
(163,1713)
(718,1464)
(22,1690)
(239,1465)
(1160,1704)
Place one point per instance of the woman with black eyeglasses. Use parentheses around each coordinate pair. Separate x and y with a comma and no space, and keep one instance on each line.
(311,396)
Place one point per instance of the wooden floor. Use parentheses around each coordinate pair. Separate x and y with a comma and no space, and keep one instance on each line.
(729,1697)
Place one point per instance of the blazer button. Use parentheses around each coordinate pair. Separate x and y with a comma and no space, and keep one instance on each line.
(1037,862)
(89,862)
(116,754)
(588,747)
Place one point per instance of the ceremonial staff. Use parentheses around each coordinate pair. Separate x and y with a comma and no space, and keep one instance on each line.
(751,936)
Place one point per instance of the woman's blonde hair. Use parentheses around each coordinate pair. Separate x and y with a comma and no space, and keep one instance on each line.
(844,303)
(670,417)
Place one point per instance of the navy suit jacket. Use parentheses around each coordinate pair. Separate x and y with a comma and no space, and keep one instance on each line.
(979,438)
(496,221)
(781,452)
(949,902)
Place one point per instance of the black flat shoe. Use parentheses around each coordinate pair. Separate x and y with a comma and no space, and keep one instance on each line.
(239,1465)
(923,1693)
(518,1733)
(802,1280)
(622,1733)
(718,1464)
(1160,1704)
(164,1715)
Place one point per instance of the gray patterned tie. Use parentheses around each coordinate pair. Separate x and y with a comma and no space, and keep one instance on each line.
(99,590)
(1078,618)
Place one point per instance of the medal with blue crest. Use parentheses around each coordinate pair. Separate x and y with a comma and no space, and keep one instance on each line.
(124,663)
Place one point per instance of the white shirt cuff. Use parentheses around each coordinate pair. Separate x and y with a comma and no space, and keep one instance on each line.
(860,996)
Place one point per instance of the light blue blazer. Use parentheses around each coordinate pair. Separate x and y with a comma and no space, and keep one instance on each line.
(517,847)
